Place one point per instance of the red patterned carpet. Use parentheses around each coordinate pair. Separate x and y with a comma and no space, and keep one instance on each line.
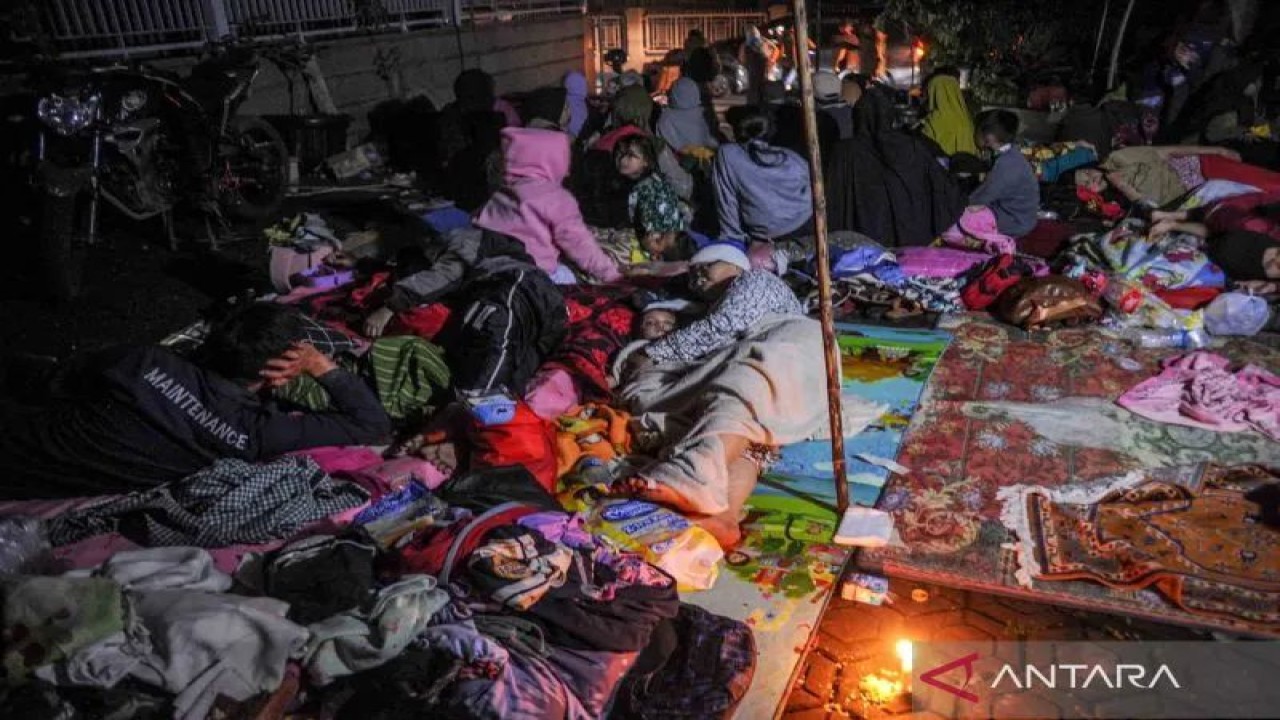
(1014,430)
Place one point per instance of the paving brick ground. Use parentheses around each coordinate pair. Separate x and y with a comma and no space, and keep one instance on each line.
(854,640)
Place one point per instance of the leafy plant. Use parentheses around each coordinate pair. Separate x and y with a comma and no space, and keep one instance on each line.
(1002,42)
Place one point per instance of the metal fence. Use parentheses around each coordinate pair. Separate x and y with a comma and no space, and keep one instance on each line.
(666,31)
(611,32)
(99,28)
(105,27)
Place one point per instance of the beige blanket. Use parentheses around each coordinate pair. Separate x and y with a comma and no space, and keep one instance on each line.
(769,387)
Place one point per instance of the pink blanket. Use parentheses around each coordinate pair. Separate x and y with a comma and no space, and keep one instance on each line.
(1200,390)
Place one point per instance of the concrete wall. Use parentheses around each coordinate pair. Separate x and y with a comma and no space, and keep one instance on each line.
(521,55)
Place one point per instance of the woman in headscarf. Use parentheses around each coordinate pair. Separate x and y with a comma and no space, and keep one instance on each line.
(575,86)
(683,122)
(886,183)
(947,122)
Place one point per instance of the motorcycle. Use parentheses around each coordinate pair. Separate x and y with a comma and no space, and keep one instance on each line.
(148,142)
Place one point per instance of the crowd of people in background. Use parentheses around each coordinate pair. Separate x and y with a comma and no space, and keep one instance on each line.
(562,191)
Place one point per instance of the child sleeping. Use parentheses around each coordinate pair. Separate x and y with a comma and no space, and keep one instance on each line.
(658,318)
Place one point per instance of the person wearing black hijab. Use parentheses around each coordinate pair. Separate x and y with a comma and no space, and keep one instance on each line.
(886,183)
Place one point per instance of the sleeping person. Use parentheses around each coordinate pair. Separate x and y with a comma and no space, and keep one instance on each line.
(1159,176)
(725,455)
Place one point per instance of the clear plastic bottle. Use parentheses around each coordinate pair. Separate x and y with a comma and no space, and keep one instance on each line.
(1166,338)
(1131,298)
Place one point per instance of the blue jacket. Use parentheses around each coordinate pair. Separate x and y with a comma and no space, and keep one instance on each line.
(763,201)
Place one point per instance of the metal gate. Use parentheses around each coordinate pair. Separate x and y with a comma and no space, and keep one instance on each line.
(664,32)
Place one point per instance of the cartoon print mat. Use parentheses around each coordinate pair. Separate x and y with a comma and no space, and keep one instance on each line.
(780,578)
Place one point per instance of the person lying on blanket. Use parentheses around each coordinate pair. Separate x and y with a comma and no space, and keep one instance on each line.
(721,274)
(1158,176)
(507,315)
(142,416)
(1243,233)
(738,297)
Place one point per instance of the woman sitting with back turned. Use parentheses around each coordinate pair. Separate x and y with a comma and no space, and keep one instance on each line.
(762,191)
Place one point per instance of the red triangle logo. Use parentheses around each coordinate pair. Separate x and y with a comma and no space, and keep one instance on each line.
(931,677)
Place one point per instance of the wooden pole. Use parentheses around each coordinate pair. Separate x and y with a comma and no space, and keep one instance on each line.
(823,256)
(1115,49)
(1097,42)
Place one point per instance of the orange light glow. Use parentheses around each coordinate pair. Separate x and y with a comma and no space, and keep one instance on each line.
(919,50)
(903,649)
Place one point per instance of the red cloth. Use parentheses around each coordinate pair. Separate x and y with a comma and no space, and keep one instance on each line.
(1192,298)
(600,322)
(1240,213)
(1216,167)
(609,140)
(527,440)
(426,322)
(345,308)
(1099,205)
(1045,239)
(427,552)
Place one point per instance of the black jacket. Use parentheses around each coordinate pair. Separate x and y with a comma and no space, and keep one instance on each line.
(510,317)
(150,416)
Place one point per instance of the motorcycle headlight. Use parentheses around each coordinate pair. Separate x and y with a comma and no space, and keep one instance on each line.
(68,115)
(133,100)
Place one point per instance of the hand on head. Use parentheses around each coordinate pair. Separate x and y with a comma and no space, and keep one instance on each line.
(301,359)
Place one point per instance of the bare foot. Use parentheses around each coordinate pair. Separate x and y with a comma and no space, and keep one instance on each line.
(724,528)
(646,489)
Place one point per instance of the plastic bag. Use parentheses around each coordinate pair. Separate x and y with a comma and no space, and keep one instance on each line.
(663,537)
(24,549)
(1236,314)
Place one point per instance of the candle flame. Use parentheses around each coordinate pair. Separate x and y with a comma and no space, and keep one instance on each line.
(903,648)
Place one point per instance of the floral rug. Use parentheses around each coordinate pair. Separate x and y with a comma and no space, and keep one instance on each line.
(1005,409)
(1194,535)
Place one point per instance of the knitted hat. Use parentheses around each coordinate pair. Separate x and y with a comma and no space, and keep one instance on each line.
(655,207)
(721,252)
(672,305)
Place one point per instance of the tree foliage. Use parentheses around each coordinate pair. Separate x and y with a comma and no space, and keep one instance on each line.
(1002,42)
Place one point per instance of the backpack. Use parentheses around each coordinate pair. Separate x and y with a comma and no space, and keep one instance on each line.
(705,677)
(992,278)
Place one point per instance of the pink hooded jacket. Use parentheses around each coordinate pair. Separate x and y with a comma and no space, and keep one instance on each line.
(534,207)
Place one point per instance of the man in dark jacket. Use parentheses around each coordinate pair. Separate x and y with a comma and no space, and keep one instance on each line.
(145,415)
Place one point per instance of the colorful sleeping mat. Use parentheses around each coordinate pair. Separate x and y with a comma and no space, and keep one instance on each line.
(779,579)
